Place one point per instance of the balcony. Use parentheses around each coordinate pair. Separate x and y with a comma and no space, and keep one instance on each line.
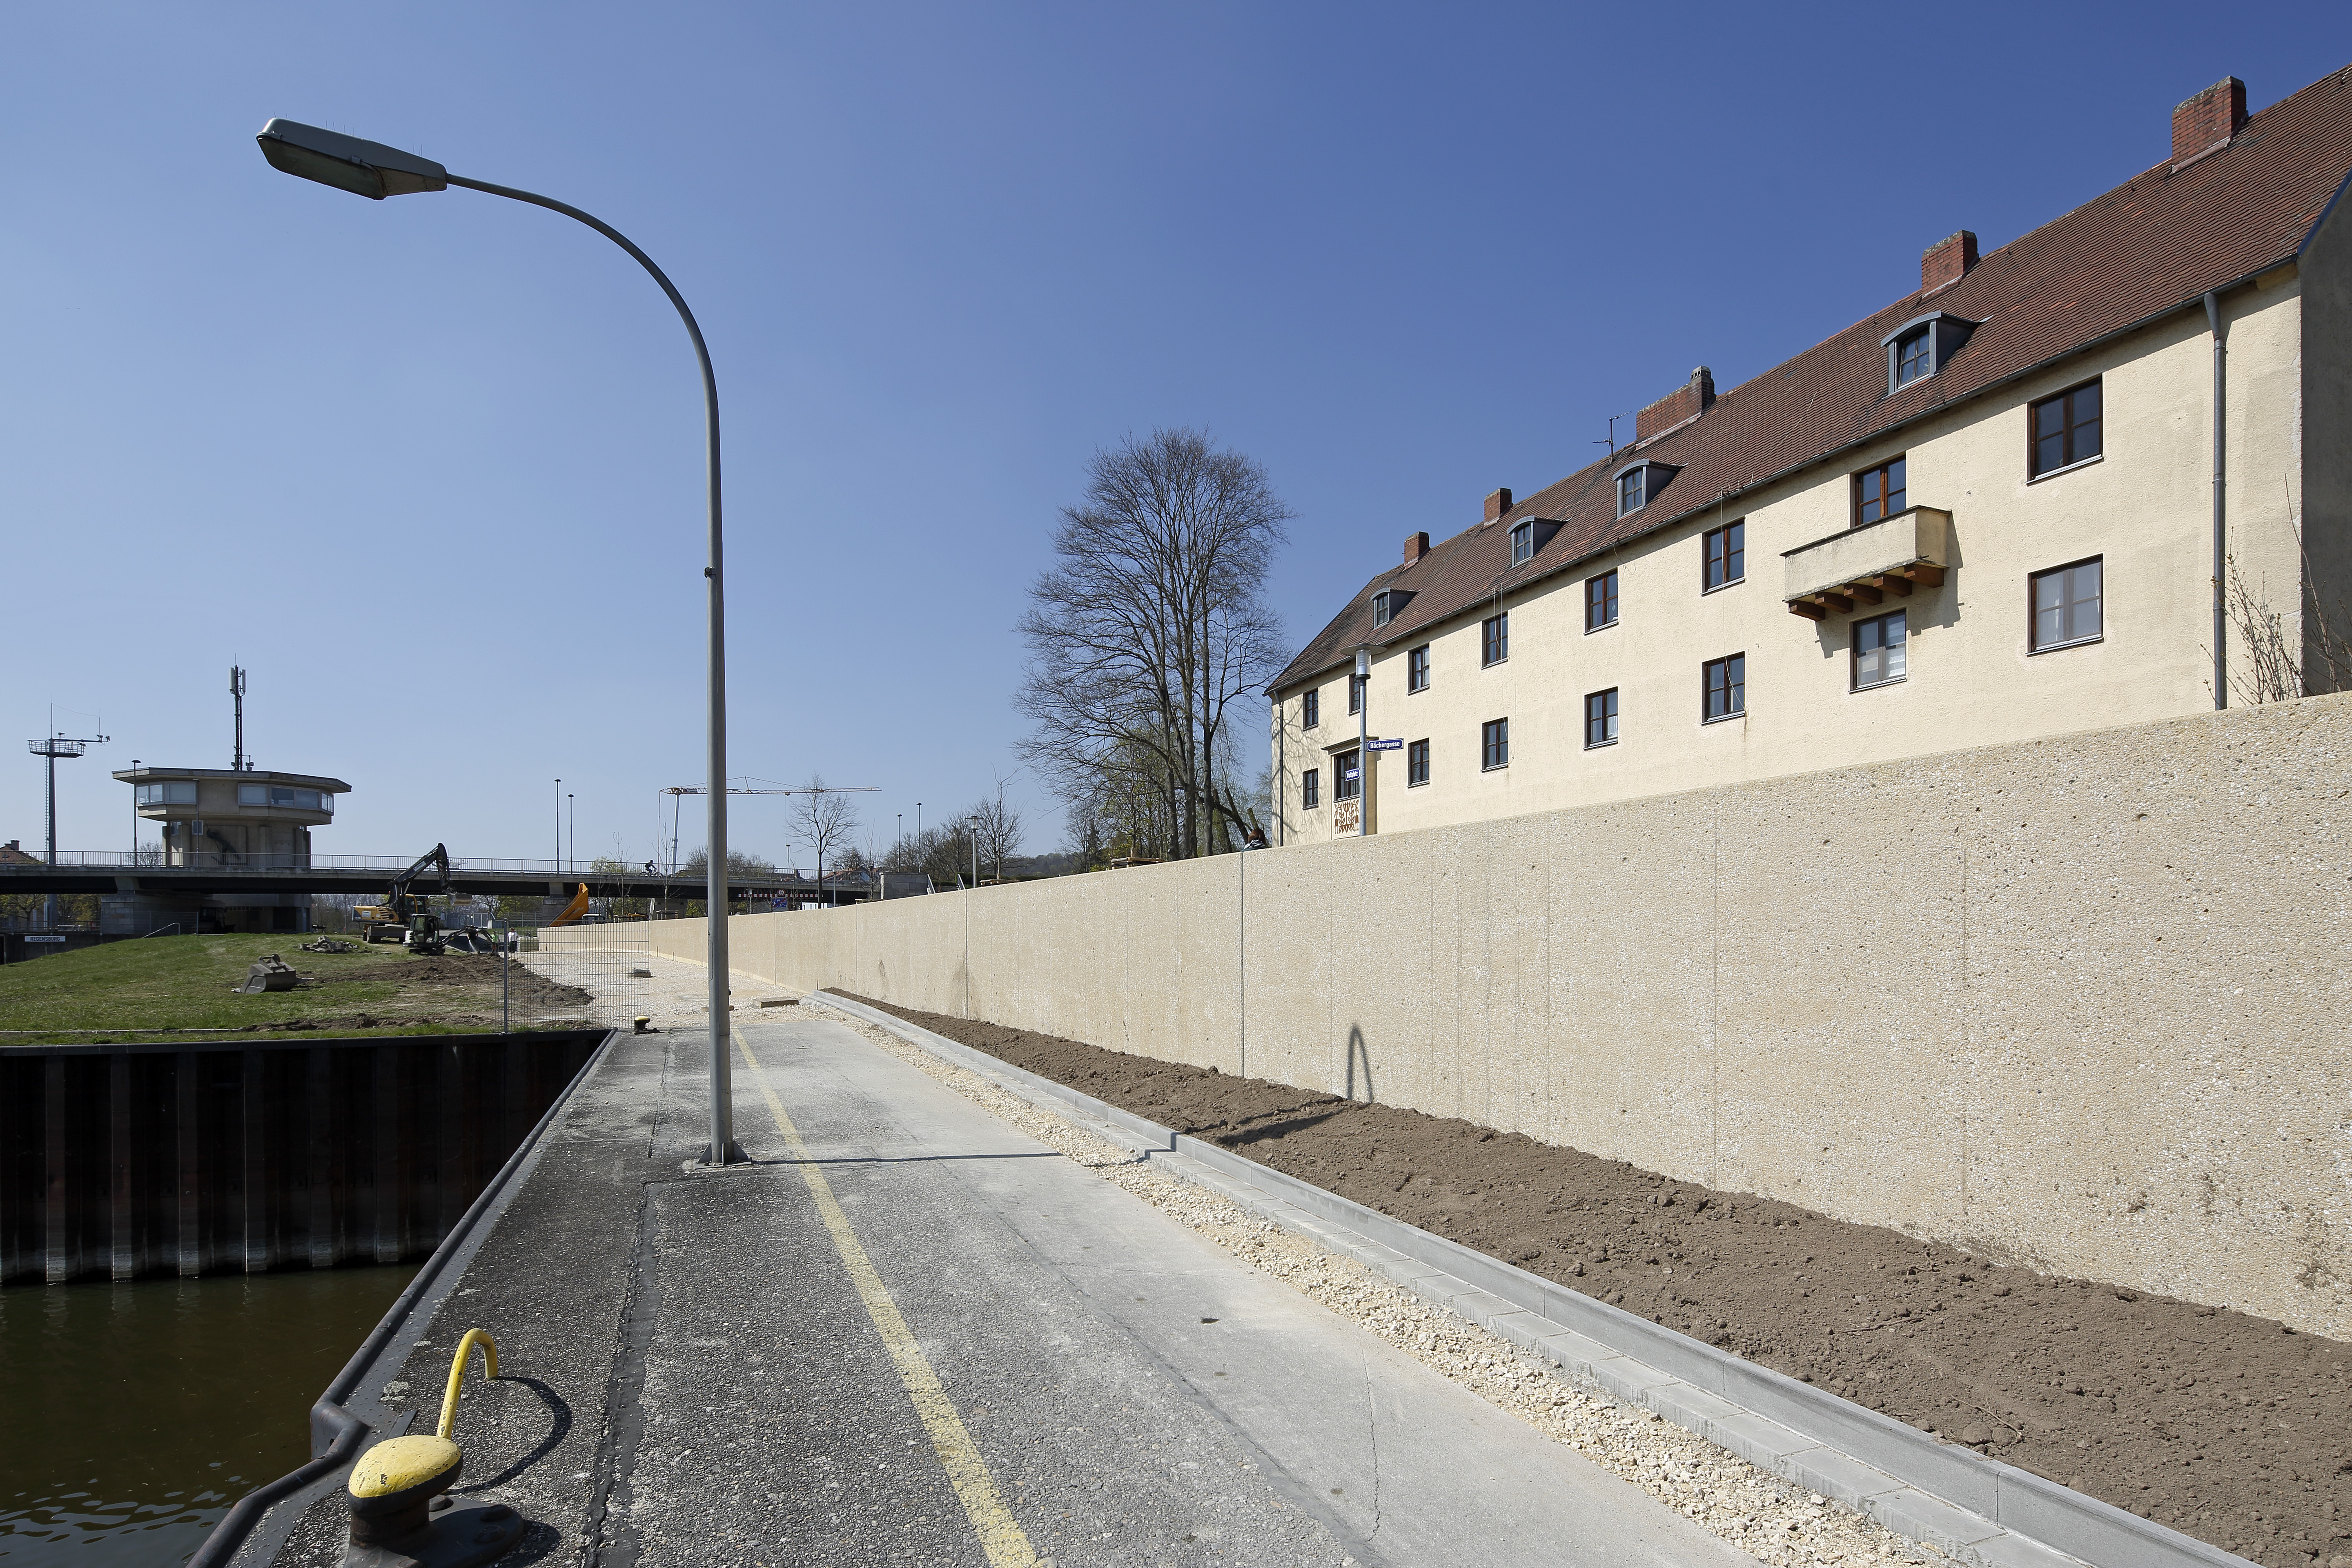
(1864,565)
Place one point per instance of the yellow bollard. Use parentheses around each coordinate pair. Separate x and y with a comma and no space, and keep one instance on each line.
(457,1374)
(400,1517)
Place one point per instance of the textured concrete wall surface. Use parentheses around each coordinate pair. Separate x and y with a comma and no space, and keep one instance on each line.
(2078,1003)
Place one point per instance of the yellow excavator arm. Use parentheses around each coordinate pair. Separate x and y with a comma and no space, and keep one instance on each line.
(574,909)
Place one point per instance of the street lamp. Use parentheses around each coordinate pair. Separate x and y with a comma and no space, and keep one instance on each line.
(372,170)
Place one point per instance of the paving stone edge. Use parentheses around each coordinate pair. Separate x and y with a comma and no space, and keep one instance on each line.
(1977,1510)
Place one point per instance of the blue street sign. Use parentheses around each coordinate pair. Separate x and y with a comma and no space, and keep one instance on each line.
(1386,745)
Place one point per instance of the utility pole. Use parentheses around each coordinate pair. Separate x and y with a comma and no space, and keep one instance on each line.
(51,749)
(559,828)
(573,856)
(134,813)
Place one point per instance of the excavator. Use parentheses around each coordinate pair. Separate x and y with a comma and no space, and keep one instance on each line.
(407,916)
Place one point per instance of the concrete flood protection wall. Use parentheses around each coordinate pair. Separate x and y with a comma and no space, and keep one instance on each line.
(130,1160)
(2078,1004)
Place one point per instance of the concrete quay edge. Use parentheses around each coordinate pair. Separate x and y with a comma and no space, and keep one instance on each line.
(1973,1507)
(357,1390)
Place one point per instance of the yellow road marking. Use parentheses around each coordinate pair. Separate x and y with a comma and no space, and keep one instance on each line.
(1000,1537)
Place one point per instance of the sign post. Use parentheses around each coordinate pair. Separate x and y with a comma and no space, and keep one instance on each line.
(1363,696)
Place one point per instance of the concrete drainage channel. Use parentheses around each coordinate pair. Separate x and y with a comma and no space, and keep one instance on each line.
(1951,1498)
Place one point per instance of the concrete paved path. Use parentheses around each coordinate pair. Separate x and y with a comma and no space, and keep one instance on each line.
(935,1340)
(907,1334)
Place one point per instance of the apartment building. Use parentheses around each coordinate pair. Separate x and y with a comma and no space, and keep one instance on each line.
(1989,512)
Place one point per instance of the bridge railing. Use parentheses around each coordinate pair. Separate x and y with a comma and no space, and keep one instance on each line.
(215,860)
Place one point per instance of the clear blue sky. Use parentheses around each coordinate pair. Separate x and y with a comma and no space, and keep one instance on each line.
(430,468)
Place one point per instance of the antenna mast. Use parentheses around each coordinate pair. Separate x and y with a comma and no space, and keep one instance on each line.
(237,690)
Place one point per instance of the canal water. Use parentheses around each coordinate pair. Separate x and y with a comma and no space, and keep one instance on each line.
(132,1415)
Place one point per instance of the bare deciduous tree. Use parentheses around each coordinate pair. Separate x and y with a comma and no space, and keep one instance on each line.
(823,818)
(1151,623)
(995,828)
(2274,662)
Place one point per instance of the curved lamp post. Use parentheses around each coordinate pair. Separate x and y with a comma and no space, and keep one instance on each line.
(372,170)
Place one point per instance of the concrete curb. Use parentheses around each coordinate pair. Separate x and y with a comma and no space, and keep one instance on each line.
(1952,1498)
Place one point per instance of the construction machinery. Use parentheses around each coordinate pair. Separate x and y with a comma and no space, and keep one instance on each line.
(404,916)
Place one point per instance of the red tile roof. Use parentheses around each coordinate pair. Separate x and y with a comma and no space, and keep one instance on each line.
(2152,246)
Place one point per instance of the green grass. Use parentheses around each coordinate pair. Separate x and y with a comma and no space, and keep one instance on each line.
(182,983)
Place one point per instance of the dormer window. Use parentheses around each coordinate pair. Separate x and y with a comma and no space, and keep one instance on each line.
(1921,346)
(1638,484)
(1380,608)
(1530,535)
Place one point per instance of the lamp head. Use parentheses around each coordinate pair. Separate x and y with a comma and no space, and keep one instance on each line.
(369,169)
(1363,659)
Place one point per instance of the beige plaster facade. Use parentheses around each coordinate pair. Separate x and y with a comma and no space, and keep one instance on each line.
(2143,507)
(2078,1003)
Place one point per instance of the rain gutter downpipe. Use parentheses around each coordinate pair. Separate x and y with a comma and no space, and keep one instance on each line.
(2221,512)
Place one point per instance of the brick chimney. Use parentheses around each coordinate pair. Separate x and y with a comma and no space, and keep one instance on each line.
(1685,402)
(2206,122)
(1947,261)
(1416,545)
(1498,503)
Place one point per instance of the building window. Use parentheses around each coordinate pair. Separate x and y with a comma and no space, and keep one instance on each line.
(1311,710)
(1416,669)
(1600,719)
(1356,684)
(1495,744)
(2066,430)
(1310,789)
(1726,682)
(1350,777)
(1380,608)
(277,794)
(171,792)
(1416,764)
(1522,543)
(1495,638)
(1878,650)
(2067,606)
(1726,550)
(1878,493)
(1915,357)
(1628,490)
(1601,601)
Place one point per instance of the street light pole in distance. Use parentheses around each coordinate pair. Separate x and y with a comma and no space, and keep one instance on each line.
(372,170)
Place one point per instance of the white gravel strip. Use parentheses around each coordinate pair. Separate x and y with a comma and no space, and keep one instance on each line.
(1772,1520)
(1759,1513)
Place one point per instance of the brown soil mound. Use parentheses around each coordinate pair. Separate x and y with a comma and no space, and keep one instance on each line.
(2225,1427)
(528,994)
